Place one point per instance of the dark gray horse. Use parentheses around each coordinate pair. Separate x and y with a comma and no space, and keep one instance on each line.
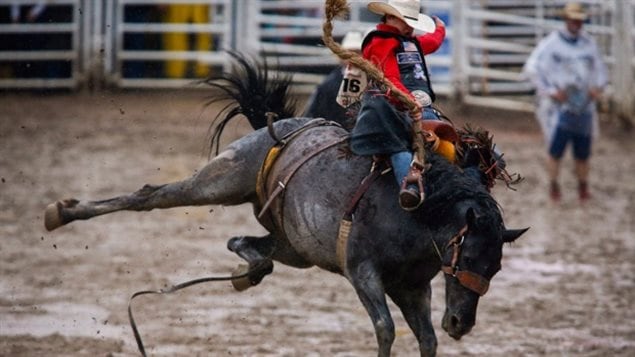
(389,251)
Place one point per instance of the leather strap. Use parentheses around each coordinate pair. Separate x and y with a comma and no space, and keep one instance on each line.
(375,172)
(467,279)
(346,223)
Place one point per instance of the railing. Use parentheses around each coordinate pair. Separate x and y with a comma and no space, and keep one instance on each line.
(44,52)
(288,34)
(495,37)
(125,44)
(150,41)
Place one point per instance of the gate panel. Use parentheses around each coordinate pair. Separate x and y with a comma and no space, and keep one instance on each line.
(40,49)
(160,43)
(498,35)
(289,34)
(125,43)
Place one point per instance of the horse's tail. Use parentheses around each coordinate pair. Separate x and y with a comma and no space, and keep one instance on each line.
(250,89)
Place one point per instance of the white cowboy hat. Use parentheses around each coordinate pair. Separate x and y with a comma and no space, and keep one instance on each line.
(406,10)
(574,11)
(353,41)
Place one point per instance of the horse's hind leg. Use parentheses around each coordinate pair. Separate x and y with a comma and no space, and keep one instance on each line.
(228,179)
(415,307)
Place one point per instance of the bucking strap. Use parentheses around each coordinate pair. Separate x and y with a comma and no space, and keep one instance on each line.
(347,221)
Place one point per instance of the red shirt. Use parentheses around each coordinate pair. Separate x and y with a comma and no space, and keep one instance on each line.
(381,51)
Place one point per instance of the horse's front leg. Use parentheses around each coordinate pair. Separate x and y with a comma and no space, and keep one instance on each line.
(257,251)
(415,307)
(226,180)
(369,288)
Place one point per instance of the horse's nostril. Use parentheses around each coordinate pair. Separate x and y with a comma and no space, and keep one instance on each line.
(454,321)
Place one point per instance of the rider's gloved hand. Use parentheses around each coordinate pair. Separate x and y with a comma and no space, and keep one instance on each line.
(416,114)
(437,21)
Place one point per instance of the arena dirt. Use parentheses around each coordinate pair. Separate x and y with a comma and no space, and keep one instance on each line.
(566,289)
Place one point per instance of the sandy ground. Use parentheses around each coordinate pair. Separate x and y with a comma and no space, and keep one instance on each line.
(566,289)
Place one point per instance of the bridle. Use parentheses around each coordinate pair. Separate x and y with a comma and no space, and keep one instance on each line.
(470,280)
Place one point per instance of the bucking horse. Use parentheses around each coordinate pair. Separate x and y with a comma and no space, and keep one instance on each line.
(306,186)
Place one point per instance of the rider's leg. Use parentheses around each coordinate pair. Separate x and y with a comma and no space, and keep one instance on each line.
(401,165)
(429,114)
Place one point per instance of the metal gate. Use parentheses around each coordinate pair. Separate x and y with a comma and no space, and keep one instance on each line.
(492,40)
(43,51)
(159,44)
(122,43)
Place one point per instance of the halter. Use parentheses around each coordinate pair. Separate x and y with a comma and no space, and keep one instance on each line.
(470,280)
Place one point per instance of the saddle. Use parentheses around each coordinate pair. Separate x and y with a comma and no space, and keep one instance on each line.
(441,137)
(277,170)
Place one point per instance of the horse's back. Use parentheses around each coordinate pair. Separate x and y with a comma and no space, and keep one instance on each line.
(323,178)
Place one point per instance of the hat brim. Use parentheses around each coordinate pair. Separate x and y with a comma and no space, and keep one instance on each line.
(575,16)
(423,23)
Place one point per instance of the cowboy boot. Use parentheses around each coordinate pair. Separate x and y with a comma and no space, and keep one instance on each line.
(411,194)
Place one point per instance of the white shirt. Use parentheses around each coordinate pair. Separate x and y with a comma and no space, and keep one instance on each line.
(561,61)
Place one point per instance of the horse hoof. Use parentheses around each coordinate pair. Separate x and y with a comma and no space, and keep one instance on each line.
(52,216)
(241,283)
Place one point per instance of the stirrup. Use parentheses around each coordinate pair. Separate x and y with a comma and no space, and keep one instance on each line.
(409,199)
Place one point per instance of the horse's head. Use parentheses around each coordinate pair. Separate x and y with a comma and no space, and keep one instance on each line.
(471,259)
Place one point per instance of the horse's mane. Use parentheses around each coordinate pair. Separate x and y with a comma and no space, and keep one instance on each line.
(249,89)
(448,185)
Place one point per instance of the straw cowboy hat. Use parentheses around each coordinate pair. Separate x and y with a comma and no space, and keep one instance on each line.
(406,10)
(574,11)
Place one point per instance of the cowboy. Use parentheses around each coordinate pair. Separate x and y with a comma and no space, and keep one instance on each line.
(567,69)
(384,126)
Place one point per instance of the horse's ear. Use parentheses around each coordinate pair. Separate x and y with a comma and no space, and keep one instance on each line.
(510,235)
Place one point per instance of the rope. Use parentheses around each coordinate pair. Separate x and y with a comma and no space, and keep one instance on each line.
(169,290)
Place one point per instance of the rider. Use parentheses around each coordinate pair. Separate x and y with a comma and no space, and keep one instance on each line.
(384,126)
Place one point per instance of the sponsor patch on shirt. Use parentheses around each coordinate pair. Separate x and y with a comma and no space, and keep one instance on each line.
(408,58)
(409,46)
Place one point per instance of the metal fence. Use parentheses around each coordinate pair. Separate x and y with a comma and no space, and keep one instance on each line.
(493,39)
(43,52)
(170,43)
(160,44)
